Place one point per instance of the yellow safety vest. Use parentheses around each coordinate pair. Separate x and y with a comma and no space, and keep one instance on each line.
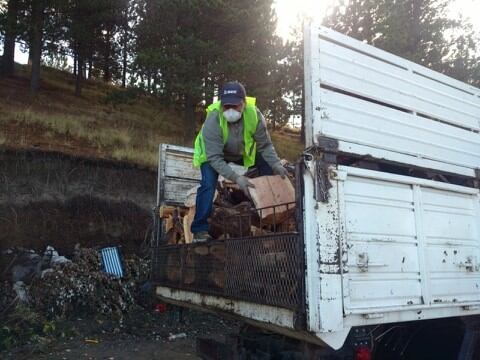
(250,122)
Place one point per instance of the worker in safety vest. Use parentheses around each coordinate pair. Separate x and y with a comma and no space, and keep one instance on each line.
(234,131)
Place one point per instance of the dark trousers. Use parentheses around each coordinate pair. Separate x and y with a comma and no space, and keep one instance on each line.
(206,192)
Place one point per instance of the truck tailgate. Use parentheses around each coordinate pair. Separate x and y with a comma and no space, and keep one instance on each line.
(390,248)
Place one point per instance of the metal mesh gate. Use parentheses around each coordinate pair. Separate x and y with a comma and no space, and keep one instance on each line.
(264,269)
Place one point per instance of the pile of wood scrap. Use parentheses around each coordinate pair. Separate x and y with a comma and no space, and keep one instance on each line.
(270,208)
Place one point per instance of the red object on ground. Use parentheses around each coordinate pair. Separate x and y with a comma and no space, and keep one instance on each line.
(160,308)
(363,353)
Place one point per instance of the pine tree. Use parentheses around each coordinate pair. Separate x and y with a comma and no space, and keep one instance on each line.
(413,29)
(11,31)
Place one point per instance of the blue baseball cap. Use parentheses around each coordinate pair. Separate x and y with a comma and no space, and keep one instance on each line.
(233,93)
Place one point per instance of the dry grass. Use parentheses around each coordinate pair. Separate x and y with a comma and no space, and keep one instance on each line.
(88,126)
(288,147)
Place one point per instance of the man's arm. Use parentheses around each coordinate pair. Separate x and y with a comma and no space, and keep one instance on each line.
(264,143)
(213,138)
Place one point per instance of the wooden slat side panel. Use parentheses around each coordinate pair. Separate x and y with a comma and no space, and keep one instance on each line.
(176,190)
(180,165)
(177,174)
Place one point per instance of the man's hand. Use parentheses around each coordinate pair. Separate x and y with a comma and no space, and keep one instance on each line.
(278,169)
(244,184)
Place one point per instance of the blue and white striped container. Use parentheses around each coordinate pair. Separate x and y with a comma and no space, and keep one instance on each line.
(111,261)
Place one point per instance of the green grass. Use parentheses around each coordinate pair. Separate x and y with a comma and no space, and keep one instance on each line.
(55,119)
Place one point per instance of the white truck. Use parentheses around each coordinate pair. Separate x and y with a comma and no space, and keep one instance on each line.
(385,262)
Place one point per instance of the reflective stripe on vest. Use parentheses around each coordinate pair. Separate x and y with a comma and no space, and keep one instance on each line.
(250,122)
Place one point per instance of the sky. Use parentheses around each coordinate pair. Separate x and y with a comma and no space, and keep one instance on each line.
(290,11)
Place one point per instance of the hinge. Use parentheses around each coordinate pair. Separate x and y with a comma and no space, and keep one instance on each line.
(339,175)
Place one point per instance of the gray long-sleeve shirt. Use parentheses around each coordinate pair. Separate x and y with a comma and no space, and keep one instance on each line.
(218,153)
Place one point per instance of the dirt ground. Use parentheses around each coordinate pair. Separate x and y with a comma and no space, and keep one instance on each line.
(144,335)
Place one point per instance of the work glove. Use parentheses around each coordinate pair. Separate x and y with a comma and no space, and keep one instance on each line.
(278,169)
(244,184)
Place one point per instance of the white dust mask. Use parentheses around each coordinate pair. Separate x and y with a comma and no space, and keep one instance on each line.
(232,115)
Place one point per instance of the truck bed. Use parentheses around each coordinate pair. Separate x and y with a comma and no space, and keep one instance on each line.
(388,209)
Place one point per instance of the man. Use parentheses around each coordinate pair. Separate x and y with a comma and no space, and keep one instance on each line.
(234,131)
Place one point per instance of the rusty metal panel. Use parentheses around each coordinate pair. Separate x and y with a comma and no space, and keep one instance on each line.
(264,269)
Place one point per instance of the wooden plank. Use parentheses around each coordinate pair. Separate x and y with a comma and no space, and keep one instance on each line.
(168,223)
(176,190)
(166,211)
(268,194)
(187,223)
(180,165)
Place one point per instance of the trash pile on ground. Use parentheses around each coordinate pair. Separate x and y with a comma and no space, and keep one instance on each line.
(269,208)
(51,287)
(60,287)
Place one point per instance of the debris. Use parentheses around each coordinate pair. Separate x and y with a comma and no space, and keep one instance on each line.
(81,287)
(25,265)
(177,336)
(8,297)
(21,291)
(92,341)
(160,308)
(46,271)
(51,257)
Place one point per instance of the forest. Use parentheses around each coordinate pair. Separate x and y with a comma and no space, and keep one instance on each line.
(180,52)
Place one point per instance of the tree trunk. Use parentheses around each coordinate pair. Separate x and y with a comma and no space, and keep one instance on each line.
(302,120)
(30,50)
(209,90)
(415,37)
(79,78)
(125,54)
(107,75)
(189,120)
(36,46)
(149,82)
(90,66)
(75,63)
(7,67)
